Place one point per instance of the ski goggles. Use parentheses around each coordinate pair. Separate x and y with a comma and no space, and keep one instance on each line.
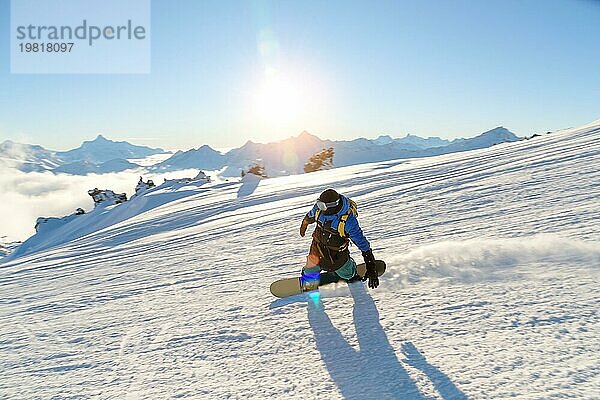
(321,205)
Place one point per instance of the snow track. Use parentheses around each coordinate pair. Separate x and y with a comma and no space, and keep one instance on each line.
(491,291)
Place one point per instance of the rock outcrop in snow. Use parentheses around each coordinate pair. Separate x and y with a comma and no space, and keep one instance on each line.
(143,186)
(7,246)
(43,225)
(320,161)
(106,197)
(202,177)
(255,169)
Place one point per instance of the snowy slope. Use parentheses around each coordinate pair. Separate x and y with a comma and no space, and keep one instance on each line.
(104,216)
(490,293)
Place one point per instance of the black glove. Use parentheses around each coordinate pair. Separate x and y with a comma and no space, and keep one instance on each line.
(371,274)
(305,223)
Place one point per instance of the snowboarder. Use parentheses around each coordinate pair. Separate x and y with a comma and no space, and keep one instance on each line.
(337,224)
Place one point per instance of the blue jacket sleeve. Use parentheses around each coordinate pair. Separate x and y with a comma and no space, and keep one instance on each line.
(311,214)
(356,234)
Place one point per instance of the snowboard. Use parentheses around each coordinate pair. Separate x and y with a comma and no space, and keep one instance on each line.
(291,286)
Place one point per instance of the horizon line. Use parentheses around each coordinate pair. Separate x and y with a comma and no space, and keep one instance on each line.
(127,140)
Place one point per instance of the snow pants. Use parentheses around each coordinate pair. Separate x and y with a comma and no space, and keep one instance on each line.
(346,272)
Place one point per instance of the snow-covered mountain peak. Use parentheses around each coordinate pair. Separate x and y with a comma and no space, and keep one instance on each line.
(500,133)
(307,136)
(206,148)
(101,141)
(499,130)
(304,139)
(383,140)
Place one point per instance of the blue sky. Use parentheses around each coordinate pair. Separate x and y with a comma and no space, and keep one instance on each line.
(224,72)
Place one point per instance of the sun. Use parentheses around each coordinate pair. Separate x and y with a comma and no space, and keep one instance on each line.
(280,99)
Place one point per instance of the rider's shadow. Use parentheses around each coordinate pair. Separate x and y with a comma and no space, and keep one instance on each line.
(374,371)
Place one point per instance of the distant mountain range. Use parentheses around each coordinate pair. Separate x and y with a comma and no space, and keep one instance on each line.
(413,142)
(100,155)
(101,150)
(289,156)
(284,157)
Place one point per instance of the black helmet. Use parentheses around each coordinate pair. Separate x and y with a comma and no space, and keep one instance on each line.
(329,202)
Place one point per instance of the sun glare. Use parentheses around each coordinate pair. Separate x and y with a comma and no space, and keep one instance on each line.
(280,100)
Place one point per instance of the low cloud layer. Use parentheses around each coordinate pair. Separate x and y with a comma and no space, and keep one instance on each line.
(26,196)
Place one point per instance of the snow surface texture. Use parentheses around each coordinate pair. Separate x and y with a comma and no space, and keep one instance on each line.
(491,290)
